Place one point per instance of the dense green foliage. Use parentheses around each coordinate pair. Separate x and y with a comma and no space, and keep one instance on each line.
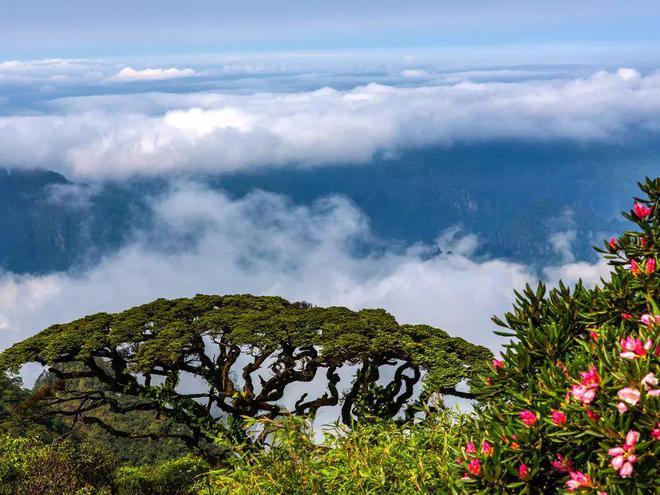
(378,458)
(63,467)
(29,466)
(11,395)
(13,415)
(174,477)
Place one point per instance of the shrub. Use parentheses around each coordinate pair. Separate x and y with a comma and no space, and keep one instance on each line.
(175,477)
(29,467)
(374,458)
(573,406)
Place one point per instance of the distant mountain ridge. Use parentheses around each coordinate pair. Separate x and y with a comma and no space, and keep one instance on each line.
(516,198)
(44,229)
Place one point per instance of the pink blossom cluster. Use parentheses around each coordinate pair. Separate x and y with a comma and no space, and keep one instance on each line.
(623,458)
(585,392)
(578,480)
(632,348)
(474,466)
(650,320)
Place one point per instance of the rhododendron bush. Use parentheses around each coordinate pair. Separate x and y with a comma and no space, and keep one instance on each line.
(573,404)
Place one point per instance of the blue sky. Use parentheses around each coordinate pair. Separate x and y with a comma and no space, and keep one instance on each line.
(88,28)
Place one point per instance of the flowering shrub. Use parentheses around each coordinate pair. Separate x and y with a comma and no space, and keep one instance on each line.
(573,406)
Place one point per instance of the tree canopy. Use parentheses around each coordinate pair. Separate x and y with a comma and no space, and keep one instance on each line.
(246,350)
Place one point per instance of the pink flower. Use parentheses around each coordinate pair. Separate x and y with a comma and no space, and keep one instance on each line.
(654,393)
(592,415)
(655,433)
(474,467)
(621,407)
(590,378)
(528,417)
(613,244)
(523,470)
(641,210)
(629,395)
(631,438)
(470,448)
(561,465)
(624,457)
(486,448)
(634,267)
(578,480)
(583,394)
(650,320)
(594,334)
(649,381)
(626,470)
(631,348)
(497,364)
(558,417)
(626,316)
(650,265)
(586,391)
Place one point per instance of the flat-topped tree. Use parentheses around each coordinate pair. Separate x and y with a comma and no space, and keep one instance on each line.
(246,350)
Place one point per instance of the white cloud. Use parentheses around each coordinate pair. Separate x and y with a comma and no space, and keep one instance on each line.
(562,243)
(628,74)
(49,63)
(123,135)
(264,244)
(590,273)
(59,71)
(128,74)
(413,73)
(10,64)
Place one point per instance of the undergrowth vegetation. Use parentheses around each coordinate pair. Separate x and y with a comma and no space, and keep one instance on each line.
(382,457)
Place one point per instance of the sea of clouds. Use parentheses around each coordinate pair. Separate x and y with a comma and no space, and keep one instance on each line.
(266,244)
(98,120)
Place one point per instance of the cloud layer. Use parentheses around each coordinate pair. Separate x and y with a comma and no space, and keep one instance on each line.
(265,244)
(128,74)
(125,135)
